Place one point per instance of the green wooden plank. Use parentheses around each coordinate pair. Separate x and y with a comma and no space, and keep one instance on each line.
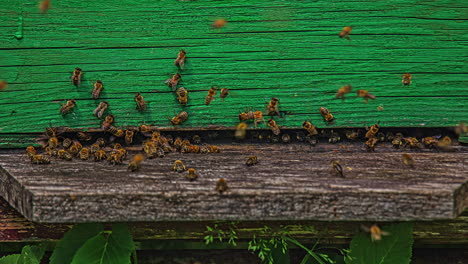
(284,49)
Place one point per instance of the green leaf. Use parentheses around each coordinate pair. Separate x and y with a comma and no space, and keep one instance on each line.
(278,256)
(311,253)
(72,241)
(105,248)
(10,259)
(31,255)
(393,248)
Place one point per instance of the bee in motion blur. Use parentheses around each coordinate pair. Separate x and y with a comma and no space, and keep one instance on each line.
(224,93)
(179,166)
(337,167)
(182,96)
(219,23)
(274,127)
(221,185)
(372,131)
(98,87)
(366,95)
(44,5)
(180,118)
(342,91)
(407,159)
(444,143)
(257,117)
(241,130)
(76,76)
(210,97)
(180,60)
(326,114)
(140,102)
(135,164)
(3,85)
(251,160)
(375,232)
(66,108)
(272,107)
(191,174)
(173,81)
(345,32)
(102,107)
(406,80)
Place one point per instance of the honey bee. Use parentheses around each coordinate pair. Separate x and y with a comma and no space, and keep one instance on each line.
(129,136)
(40,159)
(179,166)
(224,93)
(51,132)
(221,185)
(272,107)
(411,142)
(251,160)
(3,85)
(76,77)
(75,148)
(366,95)
(146,129)
(83,136)
(94,148)
(173,81)
(191,174)
(406,79)
(345,32)
(274,127)
(213,149)
(372,131)
(219,23)
(135,164)
(98,87)
(241,131)
(178,143)
(257,116)
(397,141)
(310,128)
(182,95)
(461,128)
(150,149)
(180,118)
(66,143)
(342,91)
(109,119)
(210,96)
(100,142)
(375,232)
(180,60)
(370,143)
(286,138)
(84,154)
(44,5)
(66,108)
(51,152)
(99,111)
(140,102)
(53,142)
(115,131)
(115,158)
(63,154)
(444,143)
(194,149)
(407,159)
(326,114)
(337,167)
(352,134)
(334,137)
(429,142)
(160,153)
(31,151)
(100,155)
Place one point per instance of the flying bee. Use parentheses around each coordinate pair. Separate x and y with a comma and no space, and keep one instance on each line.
(53,142)
(407,159)
(84,136)
(140,102)
(173,81)
(84,154)
(444,143)
(99,111)
(224,93)
(44,5)
(241,131)
(94,148)
(210,96)
(337,167)
(274,127)
(251,160)
(326,114)
(219,23)
(342,91)
(63,154)
(366,95)
(66,108)
(345,32)
(129,136)
(180,60)
(370,143)
(429,142)
(191,174)
(372,131)
(273,106)
(375,232)
(221,185)
(31,151)
(412,142)
(76,76)
(100,142)
(98,87)
(334,137)
(286,138)
(182,95)
(100,155)
(352,134)
(310,128)
(406,79)
(180,118)
(3,85)
(40,159)
(196,139)
(179,166)
(135,164)
(67,142)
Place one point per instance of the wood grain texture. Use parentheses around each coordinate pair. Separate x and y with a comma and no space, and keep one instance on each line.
(286,49)
(291,182)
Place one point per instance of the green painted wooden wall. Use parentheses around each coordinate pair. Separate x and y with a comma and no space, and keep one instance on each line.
(286,49)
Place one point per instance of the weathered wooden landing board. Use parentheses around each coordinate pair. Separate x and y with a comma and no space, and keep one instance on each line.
(291,182)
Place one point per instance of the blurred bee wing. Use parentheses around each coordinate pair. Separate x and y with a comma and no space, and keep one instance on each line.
(384,233)
(365,228)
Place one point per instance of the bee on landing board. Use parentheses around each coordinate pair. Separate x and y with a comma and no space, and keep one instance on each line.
(129,136)
(180,60)
(180,118)
(326,114)
(179,166)
(221,185)
(444,143)
(98,87)
(412,142)
(76,76)
(66,108)
(272,107)
(31,151)
(75,148)
(366,95)
(345,32)
(251,160)
(219,23)
(100,155)
(370,143)
(135,164)
(406,80)
(53,142)
(210,97)
(257,117)
(67,142)
(375,232)
(241,131)
(274,127)
(150,149)
(84,154)
(140,102)
(102,107)
(173,81)
(65,155)
(191,174)
(372,131)
(224,93)
(429,142)
(40,159)
(342,91)
(397,140)
(182,96)
(337,167)
(407,160)
(44,5)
